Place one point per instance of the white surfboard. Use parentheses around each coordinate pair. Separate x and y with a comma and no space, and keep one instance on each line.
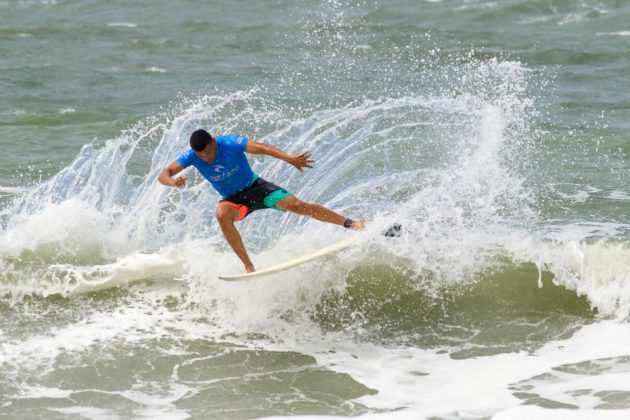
(343,244)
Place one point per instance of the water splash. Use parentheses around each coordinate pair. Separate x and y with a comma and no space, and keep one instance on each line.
(447,165)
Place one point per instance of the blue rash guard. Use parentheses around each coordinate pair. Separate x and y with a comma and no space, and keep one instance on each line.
(230,172)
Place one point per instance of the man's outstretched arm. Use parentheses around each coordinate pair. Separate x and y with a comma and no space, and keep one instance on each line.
(300,161)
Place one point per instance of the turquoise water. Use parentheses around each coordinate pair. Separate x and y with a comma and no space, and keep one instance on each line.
(496,132)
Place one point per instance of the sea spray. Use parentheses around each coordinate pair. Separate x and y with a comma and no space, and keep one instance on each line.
(437,164)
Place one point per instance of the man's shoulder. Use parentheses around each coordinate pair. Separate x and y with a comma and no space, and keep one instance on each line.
(187,153)
(232,140)
(186,157)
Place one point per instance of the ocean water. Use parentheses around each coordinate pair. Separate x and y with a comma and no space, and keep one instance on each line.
(495,132)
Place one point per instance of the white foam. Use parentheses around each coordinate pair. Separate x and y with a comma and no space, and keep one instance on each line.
(478,6)
(578,197)
(71,227)
(44,392)
(92,413)
(13,190)
(154,69)
(576,232)
(539,413)
(151,406)
(123,25)
(140,321)
(619,33)
(430,384)
(619,195)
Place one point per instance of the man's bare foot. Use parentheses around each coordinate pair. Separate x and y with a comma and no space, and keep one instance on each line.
(249,268)
(358,224)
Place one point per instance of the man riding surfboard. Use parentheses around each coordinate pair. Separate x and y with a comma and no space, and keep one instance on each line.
(222,161)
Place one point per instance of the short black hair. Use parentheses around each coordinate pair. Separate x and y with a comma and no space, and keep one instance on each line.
(199,139)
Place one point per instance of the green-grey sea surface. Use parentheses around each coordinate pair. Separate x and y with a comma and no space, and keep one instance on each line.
(495,132)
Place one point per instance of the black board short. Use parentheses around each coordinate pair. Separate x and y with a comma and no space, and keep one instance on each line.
(260,194)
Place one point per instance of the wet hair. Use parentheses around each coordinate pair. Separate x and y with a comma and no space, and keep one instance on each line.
(199,139)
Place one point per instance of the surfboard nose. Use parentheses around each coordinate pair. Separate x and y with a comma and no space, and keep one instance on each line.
(393,231)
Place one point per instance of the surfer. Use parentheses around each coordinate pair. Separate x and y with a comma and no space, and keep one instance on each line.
(223,163)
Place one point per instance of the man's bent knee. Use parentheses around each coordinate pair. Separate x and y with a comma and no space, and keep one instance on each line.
(226,214)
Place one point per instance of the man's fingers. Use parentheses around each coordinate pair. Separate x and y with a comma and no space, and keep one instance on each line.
(302,161)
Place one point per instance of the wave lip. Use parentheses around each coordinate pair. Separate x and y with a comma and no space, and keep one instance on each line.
(131,268)
(599,270)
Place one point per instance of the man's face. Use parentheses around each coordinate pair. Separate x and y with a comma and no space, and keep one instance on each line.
(208,154)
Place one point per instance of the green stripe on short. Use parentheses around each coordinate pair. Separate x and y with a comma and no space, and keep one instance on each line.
(271,200)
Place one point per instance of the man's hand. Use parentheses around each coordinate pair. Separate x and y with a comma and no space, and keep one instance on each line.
(301,161)
(298,161)
(180,181)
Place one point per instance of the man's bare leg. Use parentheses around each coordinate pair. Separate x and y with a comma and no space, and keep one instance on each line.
(316,211)
(227,215)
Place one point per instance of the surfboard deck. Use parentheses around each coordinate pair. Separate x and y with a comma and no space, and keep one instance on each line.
(392,231)
(336,247)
